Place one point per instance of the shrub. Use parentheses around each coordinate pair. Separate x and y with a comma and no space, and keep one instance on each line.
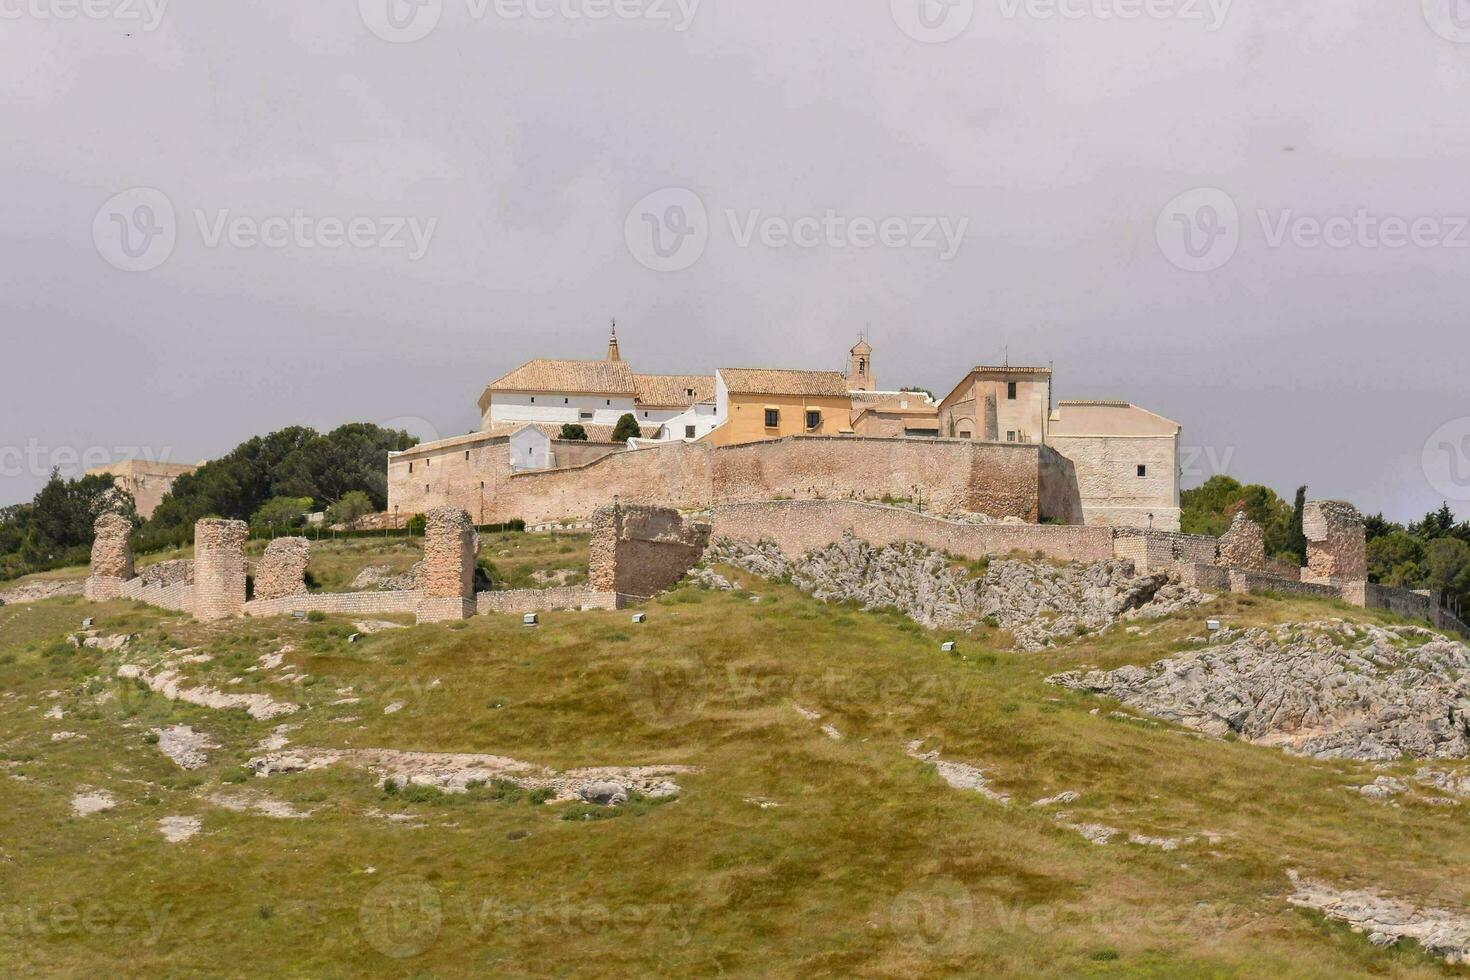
(352,506)
(627,428)
(572,432)
(282,513)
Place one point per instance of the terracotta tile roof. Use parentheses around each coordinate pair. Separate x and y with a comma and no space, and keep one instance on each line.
(674,390)
(758,381)
(593,377)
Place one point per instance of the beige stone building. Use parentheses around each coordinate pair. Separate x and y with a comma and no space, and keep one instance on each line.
(148,482)
(1127,462)
(998,404)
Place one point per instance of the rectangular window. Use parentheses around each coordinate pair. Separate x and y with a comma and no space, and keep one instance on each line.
(585,416)
(410,467)
(645,415)
(813,421)
(773,418)
(688,432)
(1011,436)
(1011,390)
(467,455)
(1142,470)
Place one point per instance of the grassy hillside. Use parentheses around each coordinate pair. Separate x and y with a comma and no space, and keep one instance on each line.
(790,853)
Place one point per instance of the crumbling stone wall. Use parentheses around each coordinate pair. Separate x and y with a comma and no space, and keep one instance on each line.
(1337,547)
(1244,545)
(112,557)
(219,569)
(447,582)
(641,551)
(801,526)
(281,572)
(1002,480)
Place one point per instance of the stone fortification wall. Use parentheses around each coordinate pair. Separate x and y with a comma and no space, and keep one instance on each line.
(949,475)
(674,475)
(112,557)
(641,551)
(349,603)
(1244,581)
(178,596)
(219,569)
(1337,548)
(1060,498)
(577,598)
(1244,545)
(1159,551)
(801,526)
(447,583)
(281,571)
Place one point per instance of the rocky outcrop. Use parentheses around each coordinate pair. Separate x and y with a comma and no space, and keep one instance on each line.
(1329,690)
(40,591)
(1037,602)
(1444,933)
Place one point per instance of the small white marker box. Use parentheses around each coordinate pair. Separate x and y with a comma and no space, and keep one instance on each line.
(1213,625)
(529,619)
(948,646)
(640,617)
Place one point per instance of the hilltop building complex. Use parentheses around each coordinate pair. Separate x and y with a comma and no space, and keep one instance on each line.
(765,433)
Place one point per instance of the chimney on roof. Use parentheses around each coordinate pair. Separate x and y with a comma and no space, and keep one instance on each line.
(612,344)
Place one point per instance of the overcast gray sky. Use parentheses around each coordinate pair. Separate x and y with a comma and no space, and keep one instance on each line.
(792,157)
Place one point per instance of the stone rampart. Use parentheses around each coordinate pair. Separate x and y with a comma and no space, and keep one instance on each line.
(281,571)
(517,602)
(447,583)
(642,551)
(219,569)
(1243,581)
(1002,480)
(1160,551)
(1337,548)
(1244,545)
(800,526)
(112,557)
(177,596)
(347,603)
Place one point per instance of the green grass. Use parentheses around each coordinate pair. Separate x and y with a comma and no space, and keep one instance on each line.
(870,866)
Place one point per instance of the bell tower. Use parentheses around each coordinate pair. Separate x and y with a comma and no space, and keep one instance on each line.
(612,344)
(860,367)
